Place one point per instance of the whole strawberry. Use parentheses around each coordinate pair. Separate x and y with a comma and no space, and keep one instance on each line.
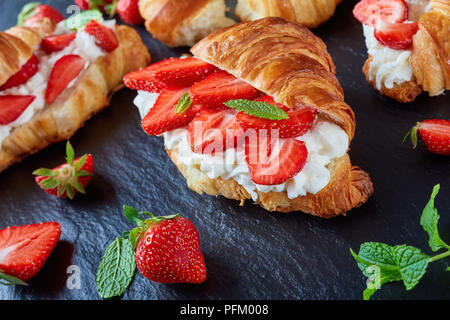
(165,249)
(169,251)
(66,180)
(128,10)
(435,134)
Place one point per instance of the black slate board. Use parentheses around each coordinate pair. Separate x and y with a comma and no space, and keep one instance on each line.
(250,254)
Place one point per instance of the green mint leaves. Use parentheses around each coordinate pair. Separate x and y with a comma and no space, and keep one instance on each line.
(429,221)
(81,19)
(27,12)
(116,269)
(382,263)
(258,109)
(8,280)
(184,103)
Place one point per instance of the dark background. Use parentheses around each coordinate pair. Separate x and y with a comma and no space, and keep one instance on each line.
(250,253)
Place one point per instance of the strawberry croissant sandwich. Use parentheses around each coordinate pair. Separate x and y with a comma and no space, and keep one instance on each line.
(245,122)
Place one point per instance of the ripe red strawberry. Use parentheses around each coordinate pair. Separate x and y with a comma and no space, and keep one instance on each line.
(57,43)
(370,11)
(105,37)
(435,134)
(221,87)
(128,10)
(162,116)
(24,249)
(396,36)
(273,161)
(69,178)
(144,79)
(27,71)
(64,71)
(213,130)
(299,122)
(105,6)
(42,11)
(11,107)
(168,251)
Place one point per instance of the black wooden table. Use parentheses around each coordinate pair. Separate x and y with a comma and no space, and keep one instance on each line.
(250,254)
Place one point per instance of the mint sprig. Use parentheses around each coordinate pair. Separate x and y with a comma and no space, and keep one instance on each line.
(184,103)
(81,19)
(382,263)
(258,109)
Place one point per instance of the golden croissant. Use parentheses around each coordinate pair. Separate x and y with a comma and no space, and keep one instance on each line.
(429,58)
(77,103)
(310,13)
(183,23)
(297,71)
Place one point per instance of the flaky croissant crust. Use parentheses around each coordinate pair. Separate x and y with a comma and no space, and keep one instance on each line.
(430,57)
(310,13)
(284,60)
(90,94)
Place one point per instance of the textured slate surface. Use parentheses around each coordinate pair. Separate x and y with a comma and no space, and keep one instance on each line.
(250,254)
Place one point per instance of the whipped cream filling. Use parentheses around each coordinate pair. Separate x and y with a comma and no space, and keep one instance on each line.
(324,142)
(388,66)
(83,45)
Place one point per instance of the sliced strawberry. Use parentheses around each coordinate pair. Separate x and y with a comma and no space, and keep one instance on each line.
(221,87)
(28,70)
(11,107)
(396,36)
(183,72)
(57,43)
(162,116)
(128,11)
(83,4)
(24,249)
(213,130)
(44,11)
(299,122)
(273,161)
(370,11)
(104,6)
(66,180)
(64,71)
(144,79)
(435,134)
(105,37)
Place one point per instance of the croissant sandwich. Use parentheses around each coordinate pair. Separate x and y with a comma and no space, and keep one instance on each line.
(408,43)
(183,23)
(56,74)
(248,123)
(310,13)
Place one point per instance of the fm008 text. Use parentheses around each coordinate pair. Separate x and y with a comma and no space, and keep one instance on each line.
(247,309)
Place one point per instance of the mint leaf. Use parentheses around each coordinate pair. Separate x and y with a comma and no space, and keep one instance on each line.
(367,293)
(116,269)
(81,19)
(447,269)
(184,103)
(258,109)
(412,264)
(429,221)
(27,12)
(8,280)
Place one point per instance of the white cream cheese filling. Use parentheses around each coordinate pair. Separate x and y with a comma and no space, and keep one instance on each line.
(324,142)
(388,66)
(84,45)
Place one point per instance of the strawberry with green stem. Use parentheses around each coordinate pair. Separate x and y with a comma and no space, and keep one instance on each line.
(165,249)
(68,179)
(435,134)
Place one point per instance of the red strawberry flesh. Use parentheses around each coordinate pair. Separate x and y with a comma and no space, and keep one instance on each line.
(396,36)
(57,43)
(370,11)
(24,249)
(105,37)
(435,134)
(27,71)
(12,106)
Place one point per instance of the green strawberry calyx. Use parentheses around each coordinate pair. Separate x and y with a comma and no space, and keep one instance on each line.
(413,134)
(65,177)
(142,225)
